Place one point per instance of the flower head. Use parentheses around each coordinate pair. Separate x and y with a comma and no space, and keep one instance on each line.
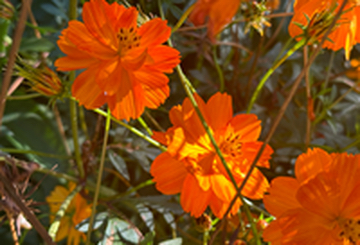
(77,211)
(320,206)
(191,166)
(124,64)
(42,79)
(217,13)
(317,15)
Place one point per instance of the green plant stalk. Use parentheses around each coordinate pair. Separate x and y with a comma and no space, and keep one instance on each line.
(38,153)
(98,182)
(323,112)
(23,97)
(327,78)
(251,220)
(219,71)
(83,122)
(73,105)
(74,128)
(54,227)
(143,123)
(133,130)
(261,84)
(182,18)
(205,237)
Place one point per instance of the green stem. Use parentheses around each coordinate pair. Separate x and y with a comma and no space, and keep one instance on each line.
(261,84)
(74,128)
(98,182)
(73,104)
(38,153)
(219,71)
(251,220)
(327,78)
(205,237)
(143,123)
(54,227)
(183,18)
(83,122)
(323,113)
(23,97)
(133,130)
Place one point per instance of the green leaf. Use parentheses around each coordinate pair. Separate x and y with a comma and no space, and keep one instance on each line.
(175,241)
(36,45)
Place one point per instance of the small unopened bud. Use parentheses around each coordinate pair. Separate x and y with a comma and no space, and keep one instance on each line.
(42,79)
(6,10)
(203,223)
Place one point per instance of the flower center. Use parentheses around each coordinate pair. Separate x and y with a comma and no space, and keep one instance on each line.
(232,145)
(128,39)
(350,230)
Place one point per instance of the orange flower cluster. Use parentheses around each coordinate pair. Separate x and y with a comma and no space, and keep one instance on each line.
(345,34)
(320,206)
(217,14)
(77,211)
(191,166)
(125,64)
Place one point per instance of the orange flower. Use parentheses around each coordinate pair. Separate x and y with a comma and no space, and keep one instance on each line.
(218,12)
(344,35)
(77,211)
(191,165)
(124,64)
(320,206)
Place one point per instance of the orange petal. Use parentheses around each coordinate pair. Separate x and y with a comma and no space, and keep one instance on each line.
(193,199)
(272,233)
(154,97)
(129,101)
(310,163)
(222,187)
(163,58)
(98,23)
(151,78)
(78,34)
(219,110)
(256,185)
(246,125)
(134,59)
(86,90)
(281,195)
(320,195)
(154,32)
(112,77)
(169,174)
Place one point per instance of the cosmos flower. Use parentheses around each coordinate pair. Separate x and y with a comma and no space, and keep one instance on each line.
(190,165)
(320,206)
(345,33)
(216,13)
(77,211)
(124,64)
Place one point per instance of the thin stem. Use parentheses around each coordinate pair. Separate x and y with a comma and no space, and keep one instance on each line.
(12,55)
(83,122)
(251,220)
(54,227)
(261,84)
(183,18)
(74,128)
(143,123)
(133,130)
(309,101)
(219,71)
(323,113)
(327,79)
(98,182)
(23,97)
